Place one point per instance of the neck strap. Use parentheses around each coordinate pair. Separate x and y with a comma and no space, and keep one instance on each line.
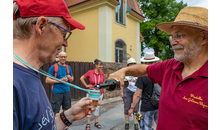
(52,77)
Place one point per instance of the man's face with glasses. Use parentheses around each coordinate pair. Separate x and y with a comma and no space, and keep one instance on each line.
(52,37)
(62,58)
(184,42)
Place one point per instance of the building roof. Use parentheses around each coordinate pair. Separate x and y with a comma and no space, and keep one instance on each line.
(135,7)
(71,3)
(132,3)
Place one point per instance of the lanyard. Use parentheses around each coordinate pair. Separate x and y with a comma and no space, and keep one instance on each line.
(98,79)
(52,77)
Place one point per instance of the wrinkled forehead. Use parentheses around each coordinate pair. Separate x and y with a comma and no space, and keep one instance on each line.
(181,29)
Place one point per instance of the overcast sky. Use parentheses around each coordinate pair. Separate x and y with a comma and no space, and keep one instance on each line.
(200,3)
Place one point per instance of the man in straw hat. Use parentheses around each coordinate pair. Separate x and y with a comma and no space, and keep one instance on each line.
(40,29)
(184,79)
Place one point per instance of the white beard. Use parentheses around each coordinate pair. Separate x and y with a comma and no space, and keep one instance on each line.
(192,50)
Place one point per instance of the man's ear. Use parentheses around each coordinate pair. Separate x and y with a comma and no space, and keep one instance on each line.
(41,25)
(205,37)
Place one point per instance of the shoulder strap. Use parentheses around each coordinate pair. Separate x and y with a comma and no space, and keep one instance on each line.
(55,69)
(67,70)
(55,74)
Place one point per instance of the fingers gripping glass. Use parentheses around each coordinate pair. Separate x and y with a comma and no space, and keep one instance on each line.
(66,36)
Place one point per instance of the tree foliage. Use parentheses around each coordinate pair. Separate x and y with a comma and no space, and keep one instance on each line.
(158,11)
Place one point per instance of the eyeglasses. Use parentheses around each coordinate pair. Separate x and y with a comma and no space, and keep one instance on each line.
(63,57)
(66,36)
(177,37)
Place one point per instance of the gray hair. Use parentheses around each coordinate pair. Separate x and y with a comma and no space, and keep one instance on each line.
(22,26)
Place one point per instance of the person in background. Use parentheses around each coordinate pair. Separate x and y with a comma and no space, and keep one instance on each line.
(60,92)
(40,29)
(144,90)
(95,76)
(184,79)
(127,96)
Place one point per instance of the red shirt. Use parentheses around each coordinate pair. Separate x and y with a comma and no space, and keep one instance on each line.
(183,102)
(94,78)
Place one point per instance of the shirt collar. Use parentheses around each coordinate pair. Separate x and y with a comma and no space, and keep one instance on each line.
(95,73)
(178,65)
(203,71)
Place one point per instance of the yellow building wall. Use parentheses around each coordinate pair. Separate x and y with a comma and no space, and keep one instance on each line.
(83,45)
(127,33)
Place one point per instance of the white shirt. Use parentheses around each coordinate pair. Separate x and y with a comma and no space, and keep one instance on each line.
(132,80)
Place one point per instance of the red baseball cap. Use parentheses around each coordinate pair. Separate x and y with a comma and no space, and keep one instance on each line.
(52,8)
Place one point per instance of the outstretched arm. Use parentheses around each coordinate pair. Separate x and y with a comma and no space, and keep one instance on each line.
(134,70)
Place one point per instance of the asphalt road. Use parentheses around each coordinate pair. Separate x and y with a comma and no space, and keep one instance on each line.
(111,117)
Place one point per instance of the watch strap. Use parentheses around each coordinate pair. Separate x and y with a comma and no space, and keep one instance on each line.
(132,107)
(64,119)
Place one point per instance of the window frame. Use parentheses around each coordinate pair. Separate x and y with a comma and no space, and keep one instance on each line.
(119,12)
(117,52)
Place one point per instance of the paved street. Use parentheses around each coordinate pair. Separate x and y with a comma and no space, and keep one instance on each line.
(111,117)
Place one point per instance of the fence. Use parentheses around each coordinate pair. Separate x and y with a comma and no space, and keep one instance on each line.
(78,69)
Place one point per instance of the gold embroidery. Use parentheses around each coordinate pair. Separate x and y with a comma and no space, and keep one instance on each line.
(193,99)
(203,105)
(196,97)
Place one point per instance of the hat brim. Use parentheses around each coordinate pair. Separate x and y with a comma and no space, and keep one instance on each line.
(155,59)
(167,26)
(74,24)
(131,62)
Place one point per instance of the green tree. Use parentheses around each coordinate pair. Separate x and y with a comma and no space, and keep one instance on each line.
(158,11)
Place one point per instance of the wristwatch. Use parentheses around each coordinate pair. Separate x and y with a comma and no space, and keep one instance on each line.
(132,107)
(64,119)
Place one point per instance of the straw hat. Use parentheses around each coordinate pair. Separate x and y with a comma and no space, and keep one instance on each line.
(190,16)
(149,57)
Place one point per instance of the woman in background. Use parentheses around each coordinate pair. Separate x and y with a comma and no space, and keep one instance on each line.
(95,76)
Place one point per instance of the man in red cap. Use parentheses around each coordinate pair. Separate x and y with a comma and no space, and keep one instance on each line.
(40,29)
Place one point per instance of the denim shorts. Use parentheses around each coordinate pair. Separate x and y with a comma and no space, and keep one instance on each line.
(128,98)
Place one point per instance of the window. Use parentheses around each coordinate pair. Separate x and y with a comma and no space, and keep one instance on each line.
(120,13)
(120,52)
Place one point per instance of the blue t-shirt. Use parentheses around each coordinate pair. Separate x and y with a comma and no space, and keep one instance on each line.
(61,73)
(31,107)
